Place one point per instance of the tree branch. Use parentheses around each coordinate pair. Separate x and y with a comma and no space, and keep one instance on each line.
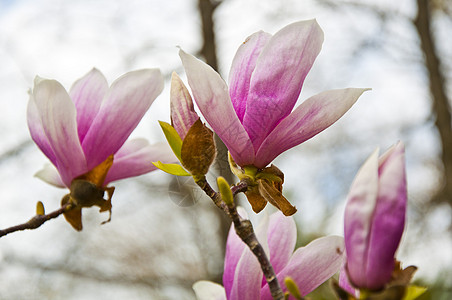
(37,220)
(245,231)
(208,50)
(440,107)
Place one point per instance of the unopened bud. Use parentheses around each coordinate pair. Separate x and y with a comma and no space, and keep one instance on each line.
(40,208)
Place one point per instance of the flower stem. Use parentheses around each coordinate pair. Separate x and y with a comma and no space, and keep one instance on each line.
(37,220)
(245,231)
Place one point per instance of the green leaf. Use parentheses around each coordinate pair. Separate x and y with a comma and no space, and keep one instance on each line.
(225,191)
(173,139)
(413,291)
(173,169)
(292,288)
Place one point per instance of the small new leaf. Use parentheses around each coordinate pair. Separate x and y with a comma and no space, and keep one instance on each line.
(292,288)
(225,191)
(413,292)
(198,149)
(173,169)
(173,138)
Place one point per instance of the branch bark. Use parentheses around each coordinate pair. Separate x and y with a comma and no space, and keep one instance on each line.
(208,50)
(245,231)
(37,220)
(440,105)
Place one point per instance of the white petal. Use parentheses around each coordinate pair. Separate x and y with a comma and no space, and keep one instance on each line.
(207,290)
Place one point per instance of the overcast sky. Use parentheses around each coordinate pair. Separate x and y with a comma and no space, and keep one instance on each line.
(63,40)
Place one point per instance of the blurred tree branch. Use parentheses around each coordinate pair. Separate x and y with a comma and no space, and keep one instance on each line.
(209,52)
(440,107)
(37,220)
(149,280)
(15,150)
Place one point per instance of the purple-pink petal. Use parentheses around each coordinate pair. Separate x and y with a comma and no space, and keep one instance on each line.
(278,77)
(234,250)
(312,265)
(37,131)
(87,94)
(211,95)
(247,279)
(344,283)
(282,237)
(134,158)
(388,219)
(183,114)
(361,202)
(311,117)
(124,105)
(242,67)
(58,117)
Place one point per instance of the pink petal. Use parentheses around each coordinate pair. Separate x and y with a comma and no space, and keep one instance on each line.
(388,218)
(207,290)
(211,96)
(183,114)
(312,265)
(279,75)
(87,94)
(242,67)
(50,175)
(234,250)
(37,131)
(247,279)
(124,105)
(135,157)
(345,284)
(58,117)
(282,237)
(361,203)
(308,119)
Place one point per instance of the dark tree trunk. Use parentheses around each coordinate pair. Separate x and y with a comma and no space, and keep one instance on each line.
(440,102)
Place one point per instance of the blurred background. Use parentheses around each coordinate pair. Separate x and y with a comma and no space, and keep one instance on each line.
(164,234)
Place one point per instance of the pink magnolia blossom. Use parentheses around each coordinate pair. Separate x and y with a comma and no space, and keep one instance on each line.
(308,266)
(78,130)
(375,219)
(254,116)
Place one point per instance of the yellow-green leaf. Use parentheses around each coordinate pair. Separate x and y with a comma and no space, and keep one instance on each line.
(173,169)
(413,291)
(173,138)
(292,288)
(225,191)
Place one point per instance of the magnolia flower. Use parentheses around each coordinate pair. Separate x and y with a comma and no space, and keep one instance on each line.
(253,117)
(375,219)
(243,279)
(79,130)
